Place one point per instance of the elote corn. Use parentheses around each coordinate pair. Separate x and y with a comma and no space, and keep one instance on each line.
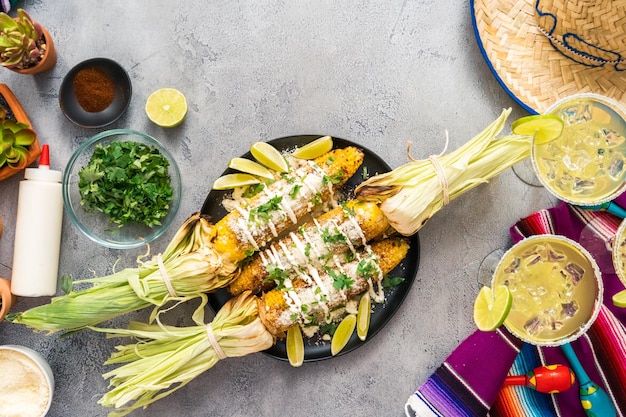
(282,203)
(335,233)
(298,301)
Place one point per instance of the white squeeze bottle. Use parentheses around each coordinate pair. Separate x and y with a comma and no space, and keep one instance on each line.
(38,231)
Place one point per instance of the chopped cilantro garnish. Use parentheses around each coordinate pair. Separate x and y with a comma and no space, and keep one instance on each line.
(348,211)
(307,249)
(288,178)
(330,160)
(253,190)
(294,191)
(390,282)
(350,256)
(128,181)
(366,268)
(340,280)
(277,275)
(333,179)
(333,237)
(329,328)
(262,212)
(316,200)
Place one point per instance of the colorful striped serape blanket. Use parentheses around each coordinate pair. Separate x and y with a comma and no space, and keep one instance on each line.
(469,382)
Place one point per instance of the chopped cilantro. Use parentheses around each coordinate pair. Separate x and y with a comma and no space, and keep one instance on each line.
(276,275)
(288,178)
(348,211)
(307,249)
(330,237)
(340,280)
(329,328)
(262,212)
(128,181)
(350,256)
(330,160)
(317,199)
(390,282)
(253,190)
(333,179)
(294,191)
(366,268)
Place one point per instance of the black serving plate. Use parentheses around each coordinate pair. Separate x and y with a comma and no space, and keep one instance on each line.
(317,349)
(123,90)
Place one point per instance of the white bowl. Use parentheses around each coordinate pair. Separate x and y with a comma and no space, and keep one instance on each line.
(27,382)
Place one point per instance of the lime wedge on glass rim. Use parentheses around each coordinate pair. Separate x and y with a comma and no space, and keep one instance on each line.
(363,316)
(269,156)
(544,127)
(295,346)
(491,307)
(250,167)
(314,149)
(619,299)
(343,334)
(230,181)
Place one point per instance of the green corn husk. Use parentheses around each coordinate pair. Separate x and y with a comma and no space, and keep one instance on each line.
(192,266)
(412,193)
(166,358)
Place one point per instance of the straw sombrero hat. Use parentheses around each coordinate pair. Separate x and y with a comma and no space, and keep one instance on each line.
(543,50)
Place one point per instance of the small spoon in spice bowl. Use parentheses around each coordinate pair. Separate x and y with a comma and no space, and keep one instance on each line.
(95,93)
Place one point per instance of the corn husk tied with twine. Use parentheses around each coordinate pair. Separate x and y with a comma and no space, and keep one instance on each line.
(187,268)
(167,358)
(412,193)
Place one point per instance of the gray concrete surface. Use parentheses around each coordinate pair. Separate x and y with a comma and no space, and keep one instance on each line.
(376,73)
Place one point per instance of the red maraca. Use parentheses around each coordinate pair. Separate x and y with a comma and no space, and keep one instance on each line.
(548,379)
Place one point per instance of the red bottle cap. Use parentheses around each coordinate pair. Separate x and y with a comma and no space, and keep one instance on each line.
(44,158)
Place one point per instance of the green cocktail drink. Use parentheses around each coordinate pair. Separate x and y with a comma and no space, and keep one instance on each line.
(586,165)
(556,289)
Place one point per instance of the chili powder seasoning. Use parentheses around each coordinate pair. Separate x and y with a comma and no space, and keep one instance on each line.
(94,89)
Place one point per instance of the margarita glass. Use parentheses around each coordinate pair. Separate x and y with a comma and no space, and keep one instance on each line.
(585,165)
(556,287)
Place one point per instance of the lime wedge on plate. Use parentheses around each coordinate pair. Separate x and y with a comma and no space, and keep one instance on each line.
(619,299)
(363,316)
(343,334)
(250,167)
(295,346)
(269,156)
(492,307)
(230,181)
(314,149)
(166,107)
(544,127)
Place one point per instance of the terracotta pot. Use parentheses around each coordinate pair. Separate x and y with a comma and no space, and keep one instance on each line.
(48,60)
(6,297)
(20,115)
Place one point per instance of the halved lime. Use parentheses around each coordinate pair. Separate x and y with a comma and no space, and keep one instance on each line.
(491,307)
(343,334)
(363,316)
(250,167)
(230,181)
(269,156)
(544,127)
(619,299)
(166,107)
(314,149)
(295,346)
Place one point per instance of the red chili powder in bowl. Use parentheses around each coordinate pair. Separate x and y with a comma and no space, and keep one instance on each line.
(94,89)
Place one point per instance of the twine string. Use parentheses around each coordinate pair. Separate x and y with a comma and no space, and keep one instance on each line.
(165,276)
(441,173)
(213,341)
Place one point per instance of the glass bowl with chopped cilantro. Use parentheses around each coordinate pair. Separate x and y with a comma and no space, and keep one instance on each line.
(121,188)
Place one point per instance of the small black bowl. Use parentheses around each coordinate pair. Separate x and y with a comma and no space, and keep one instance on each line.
(123,90)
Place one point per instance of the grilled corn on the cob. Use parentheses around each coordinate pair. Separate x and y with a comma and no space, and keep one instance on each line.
(337,232)
(263,217)
(300,302)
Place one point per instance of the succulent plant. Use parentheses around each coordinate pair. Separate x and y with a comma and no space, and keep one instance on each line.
(15,138)
(21,41)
